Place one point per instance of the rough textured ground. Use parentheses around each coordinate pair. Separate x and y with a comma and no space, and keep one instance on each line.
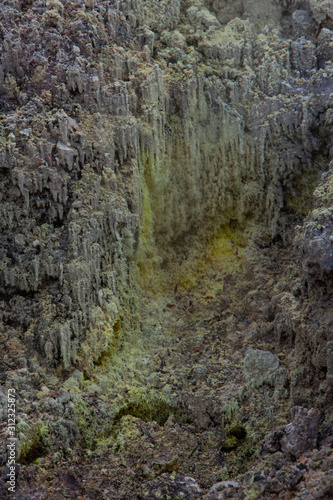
(166,252)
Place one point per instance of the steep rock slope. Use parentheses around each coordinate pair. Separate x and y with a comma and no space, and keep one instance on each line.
(136,139)
(109,122)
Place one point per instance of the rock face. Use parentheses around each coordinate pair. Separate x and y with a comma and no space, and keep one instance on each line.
(138,138)
(301,435)
(134,136)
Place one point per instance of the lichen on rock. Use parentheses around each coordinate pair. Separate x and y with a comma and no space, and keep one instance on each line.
(165,249)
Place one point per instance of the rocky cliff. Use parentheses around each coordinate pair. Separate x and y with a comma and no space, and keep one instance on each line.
(166,181)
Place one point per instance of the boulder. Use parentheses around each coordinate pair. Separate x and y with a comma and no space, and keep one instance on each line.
(301,434)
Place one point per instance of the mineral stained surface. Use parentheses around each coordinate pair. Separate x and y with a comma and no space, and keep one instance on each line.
(166,248)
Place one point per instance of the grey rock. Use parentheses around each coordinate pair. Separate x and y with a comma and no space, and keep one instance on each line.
(177,489)
(259,365)
(325,46)
(302,23)
(223,490)
(318,250)
(19,239)
(303,56)
(301,435)
(66,155)
(314,242)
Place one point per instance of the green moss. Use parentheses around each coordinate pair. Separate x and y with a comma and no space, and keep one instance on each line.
(33,441)
(240,444)
(80,413)
(87,423)
(6,139)
(110,346)
(148,407)
(236,435)
(11,87)
(240,447)
(126,430)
